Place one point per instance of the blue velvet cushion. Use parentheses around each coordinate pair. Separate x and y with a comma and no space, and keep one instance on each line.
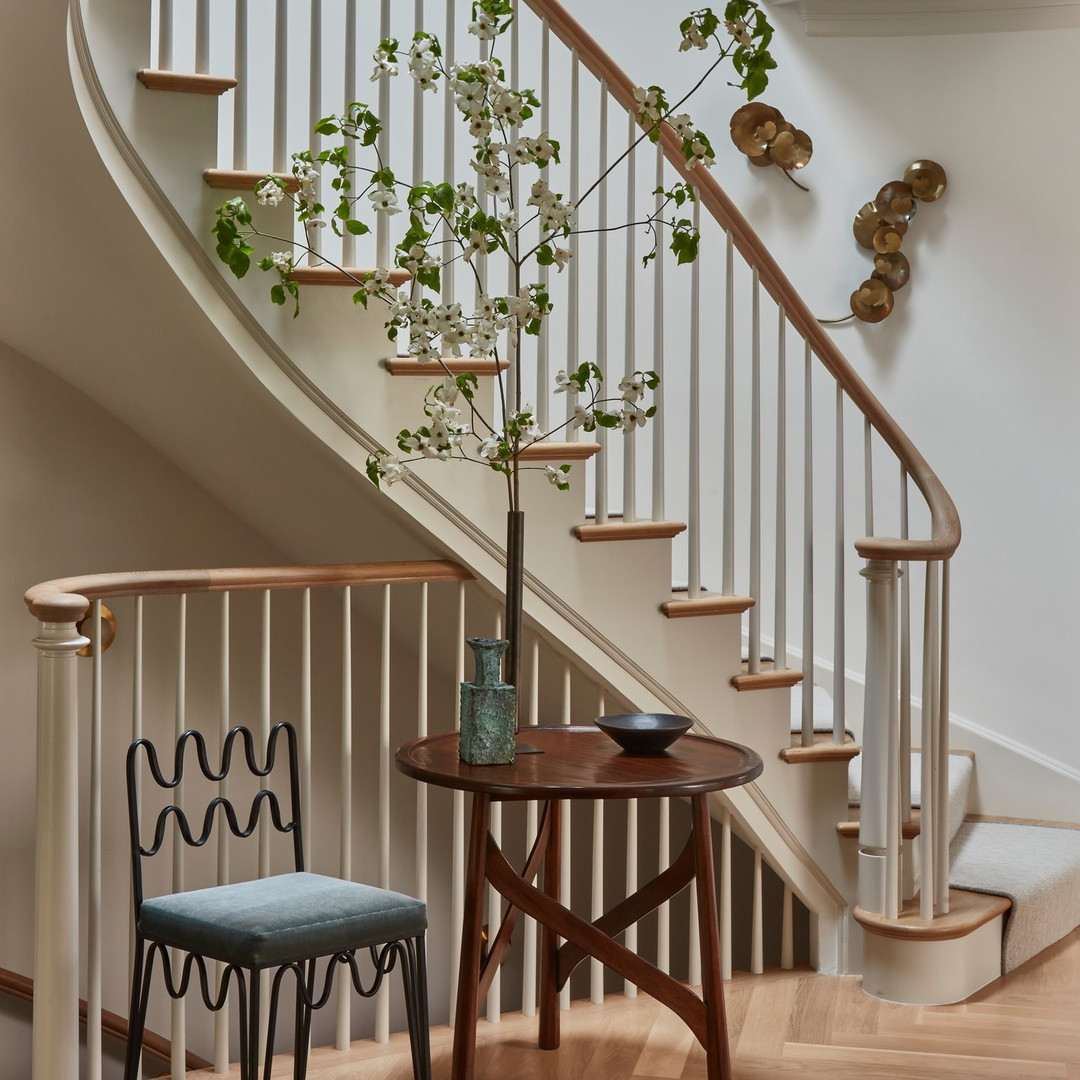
(282,918)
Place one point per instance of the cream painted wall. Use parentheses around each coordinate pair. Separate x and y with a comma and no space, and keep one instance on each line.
(978,361)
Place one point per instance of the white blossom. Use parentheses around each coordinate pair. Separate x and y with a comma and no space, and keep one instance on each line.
(631,417)
(485,27)
(479,128)
(383,65)
(490,448)
(508,220)
(476,244)
(701,155)
(555,475)
(694,39)
(384,200)
(564,382)
(582,418)
(561,256)
(469,96)
(647,106)
(282,261)
(392,469)
(683,125)
(738,30)
(269,194)
(632,388)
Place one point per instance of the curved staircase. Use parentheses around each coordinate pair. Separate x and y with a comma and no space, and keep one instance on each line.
(608,609)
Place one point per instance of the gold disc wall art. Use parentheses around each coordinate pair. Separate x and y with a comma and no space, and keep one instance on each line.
(880,227)
(766,138)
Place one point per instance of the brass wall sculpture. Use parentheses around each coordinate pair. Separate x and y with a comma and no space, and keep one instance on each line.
(880,226)
(766,138)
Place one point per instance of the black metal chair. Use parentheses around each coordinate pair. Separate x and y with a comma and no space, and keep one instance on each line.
(286,921)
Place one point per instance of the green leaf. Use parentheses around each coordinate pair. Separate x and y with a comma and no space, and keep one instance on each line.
(277,294)
(357,228)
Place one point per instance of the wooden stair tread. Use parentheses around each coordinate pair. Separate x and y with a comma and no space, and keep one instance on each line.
(768,678)
(480,366)
(350,275)
(823,749)
(707,605)
(245,179)
(629,530)
(185,82)
(967,912)
(559,451)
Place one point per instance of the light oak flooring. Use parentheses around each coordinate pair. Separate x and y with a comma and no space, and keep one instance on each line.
(798,1024)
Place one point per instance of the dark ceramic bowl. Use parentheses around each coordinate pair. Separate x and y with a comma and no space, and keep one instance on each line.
(644,733)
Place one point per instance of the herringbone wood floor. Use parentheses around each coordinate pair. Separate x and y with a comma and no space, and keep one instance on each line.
(814,1027)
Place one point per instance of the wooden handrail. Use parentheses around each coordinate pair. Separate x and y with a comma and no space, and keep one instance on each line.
(68,599)
(113,1024)
(945,522)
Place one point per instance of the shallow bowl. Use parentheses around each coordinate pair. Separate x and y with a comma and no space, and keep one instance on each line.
(644,733)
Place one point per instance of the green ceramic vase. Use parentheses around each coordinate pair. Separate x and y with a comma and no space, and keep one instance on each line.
(488,708)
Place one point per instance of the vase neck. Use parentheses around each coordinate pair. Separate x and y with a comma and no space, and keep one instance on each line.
(488,654)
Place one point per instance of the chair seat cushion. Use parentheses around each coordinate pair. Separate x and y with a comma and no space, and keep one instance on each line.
(282,918)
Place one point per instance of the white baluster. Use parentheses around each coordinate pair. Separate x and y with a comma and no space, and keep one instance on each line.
(543,350)
(601,462)
(344,989)
(787,933)
(573,282)
(494,917)
(177,1011)
(693,569)
(348,241)
(382,225)
(240,91)
(264,834)
(136,733)
(165,35)
(421,731)
(728,576)
(382,1001)
(457,874)
(93,906)
(658,358)
(693,969)
(908,866)
(754,614)
(839,587)
(942,717)
(528,967)
(202,37)
(630,336)
(896,764)
(808,552)
(449,133)
(315,72)
(928,813)
(281,86)
(630,936)
(868,476)
(221,1017)
(56,978)
(780,610)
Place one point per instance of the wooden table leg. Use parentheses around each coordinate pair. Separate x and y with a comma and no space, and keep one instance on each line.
(468,993)
(549,940)
(712,982)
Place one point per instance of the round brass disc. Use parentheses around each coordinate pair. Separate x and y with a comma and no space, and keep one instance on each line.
(889,238)
(895,202)
(871,301)
(927,180)
(754,126)
(867,222)
(792,149)
(761,160)
(892,268)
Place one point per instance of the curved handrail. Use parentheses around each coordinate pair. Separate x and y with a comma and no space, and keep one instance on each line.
(68,599)
(945,522)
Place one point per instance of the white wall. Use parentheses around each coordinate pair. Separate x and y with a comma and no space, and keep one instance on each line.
(977,362)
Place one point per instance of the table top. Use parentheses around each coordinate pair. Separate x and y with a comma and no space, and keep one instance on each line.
(583,763)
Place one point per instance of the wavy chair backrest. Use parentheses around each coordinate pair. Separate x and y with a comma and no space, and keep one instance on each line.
(288,824)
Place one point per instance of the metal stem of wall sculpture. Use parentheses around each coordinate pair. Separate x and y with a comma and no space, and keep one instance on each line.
(880,226)
(766,138)
(488,708)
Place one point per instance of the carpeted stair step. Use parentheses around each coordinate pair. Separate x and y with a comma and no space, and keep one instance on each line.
(1035,866)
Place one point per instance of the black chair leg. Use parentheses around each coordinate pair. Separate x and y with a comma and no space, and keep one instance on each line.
(304,996)
(251,1072)
(414,976)
(137,1012)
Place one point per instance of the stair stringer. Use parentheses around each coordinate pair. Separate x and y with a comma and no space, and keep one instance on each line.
(310,367)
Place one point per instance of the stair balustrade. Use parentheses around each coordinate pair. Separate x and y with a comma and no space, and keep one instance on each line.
(360,658)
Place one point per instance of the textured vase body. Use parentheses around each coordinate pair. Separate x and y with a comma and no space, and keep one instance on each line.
(488,709)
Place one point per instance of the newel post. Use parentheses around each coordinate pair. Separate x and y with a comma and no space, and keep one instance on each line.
(56,948)
(879,885)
